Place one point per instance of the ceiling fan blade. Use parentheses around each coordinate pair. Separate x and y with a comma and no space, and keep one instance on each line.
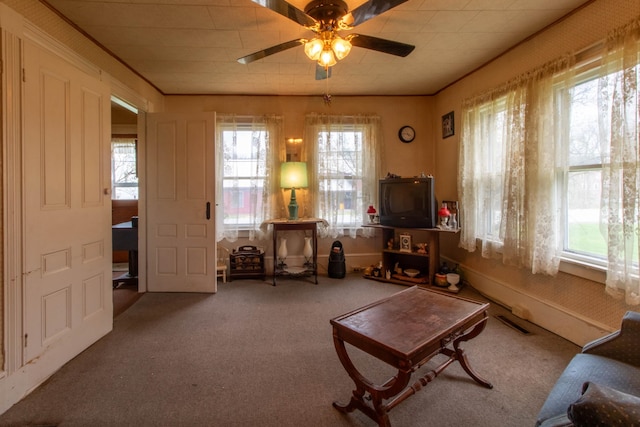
(381,45)
(369,10)
(270,51)
(322,73)
(288,11)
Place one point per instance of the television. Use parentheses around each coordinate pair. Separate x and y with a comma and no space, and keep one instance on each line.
(408,202)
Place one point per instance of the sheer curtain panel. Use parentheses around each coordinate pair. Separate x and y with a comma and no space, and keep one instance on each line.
(619,138)
(511,152)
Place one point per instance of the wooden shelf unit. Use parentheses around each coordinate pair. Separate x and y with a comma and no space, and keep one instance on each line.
(427,263)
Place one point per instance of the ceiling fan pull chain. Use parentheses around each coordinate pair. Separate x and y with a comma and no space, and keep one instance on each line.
(327,97)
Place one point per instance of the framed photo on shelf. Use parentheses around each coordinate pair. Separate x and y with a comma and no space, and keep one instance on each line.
(448,125)
(405,243)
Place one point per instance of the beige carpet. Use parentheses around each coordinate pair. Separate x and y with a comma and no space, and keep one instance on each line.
(258,355)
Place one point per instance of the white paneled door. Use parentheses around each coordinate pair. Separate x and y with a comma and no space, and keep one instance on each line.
(180,203)
(67,219)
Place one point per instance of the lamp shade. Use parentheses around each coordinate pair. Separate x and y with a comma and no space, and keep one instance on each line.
(313,49)
(341,47)
(293,175)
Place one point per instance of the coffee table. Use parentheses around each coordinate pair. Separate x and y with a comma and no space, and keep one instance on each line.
(406,330)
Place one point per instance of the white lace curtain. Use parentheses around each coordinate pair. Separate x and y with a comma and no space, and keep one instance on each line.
(619,136)
(510,152)
(327,140)
(517,176)
(267,150)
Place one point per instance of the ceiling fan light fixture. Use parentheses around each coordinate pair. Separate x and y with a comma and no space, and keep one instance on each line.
(313,48)
(327,58)
(340,47)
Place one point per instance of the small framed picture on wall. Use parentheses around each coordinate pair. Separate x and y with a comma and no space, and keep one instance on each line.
(448,125)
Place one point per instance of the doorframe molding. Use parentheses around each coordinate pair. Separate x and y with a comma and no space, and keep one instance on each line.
(12,202)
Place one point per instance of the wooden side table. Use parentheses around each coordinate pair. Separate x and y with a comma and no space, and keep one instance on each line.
(302,225)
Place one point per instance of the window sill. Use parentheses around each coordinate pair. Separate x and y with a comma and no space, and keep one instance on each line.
(583,269)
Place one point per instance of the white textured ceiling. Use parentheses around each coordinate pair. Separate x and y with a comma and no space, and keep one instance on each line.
(192,46)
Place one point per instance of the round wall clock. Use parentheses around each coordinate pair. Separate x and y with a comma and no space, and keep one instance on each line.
(406,134)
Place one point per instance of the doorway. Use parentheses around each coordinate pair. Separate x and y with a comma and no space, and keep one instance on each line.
(124,204)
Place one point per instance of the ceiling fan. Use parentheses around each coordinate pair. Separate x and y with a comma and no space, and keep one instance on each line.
(326,18)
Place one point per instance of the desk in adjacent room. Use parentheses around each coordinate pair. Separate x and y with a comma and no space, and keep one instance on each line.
(125,238)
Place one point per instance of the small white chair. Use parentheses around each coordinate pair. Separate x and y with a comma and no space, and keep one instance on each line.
(221,263)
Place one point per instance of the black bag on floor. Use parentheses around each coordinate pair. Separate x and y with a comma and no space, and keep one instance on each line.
(337,268)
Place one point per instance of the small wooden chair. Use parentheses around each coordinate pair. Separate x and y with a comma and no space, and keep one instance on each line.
(221,263)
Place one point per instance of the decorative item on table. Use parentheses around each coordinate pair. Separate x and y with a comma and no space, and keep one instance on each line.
(444,214)
(444,268)
(307,252)
(372,214)
(293,175)
(405,242)
(282,253)
(411,272)
(453,279)
(454,212)
(390,244)
(423,248)
(441,280)
(397,269)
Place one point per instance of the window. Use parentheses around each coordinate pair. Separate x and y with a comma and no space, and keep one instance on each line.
(344,170)
(583,238)
(340,175)
(246,156)
(124,169)
(244,175)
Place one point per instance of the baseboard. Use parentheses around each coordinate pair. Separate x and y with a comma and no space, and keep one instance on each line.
(546,314)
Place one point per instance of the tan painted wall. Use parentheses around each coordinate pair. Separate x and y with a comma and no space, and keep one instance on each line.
(584,298)
(403,159)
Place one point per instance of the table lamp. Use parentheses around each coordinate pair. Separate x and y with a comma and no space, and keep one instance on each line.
(293,175)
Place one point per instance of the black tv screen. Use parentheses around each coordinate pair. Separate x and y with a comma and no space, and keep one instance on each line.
(408,202)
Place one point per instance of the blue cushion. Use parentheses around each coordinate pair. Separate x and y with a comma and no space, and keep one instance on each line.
(604,406)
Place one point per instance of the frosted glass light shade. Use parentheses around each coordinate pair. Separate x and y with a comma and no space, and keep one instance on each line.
(327,58)
(313,49)
(341,47)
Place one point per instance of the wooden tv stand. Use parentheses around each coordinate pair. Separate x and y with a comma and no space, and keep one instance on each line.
(427,263)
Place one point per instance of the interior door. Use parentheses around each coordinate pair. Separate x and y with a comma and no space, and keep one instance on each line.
(67,231)
(180,203)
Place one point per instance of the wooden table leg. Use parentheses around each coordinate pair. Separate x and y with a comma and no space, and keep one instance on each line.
(461,356)
(378,411)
